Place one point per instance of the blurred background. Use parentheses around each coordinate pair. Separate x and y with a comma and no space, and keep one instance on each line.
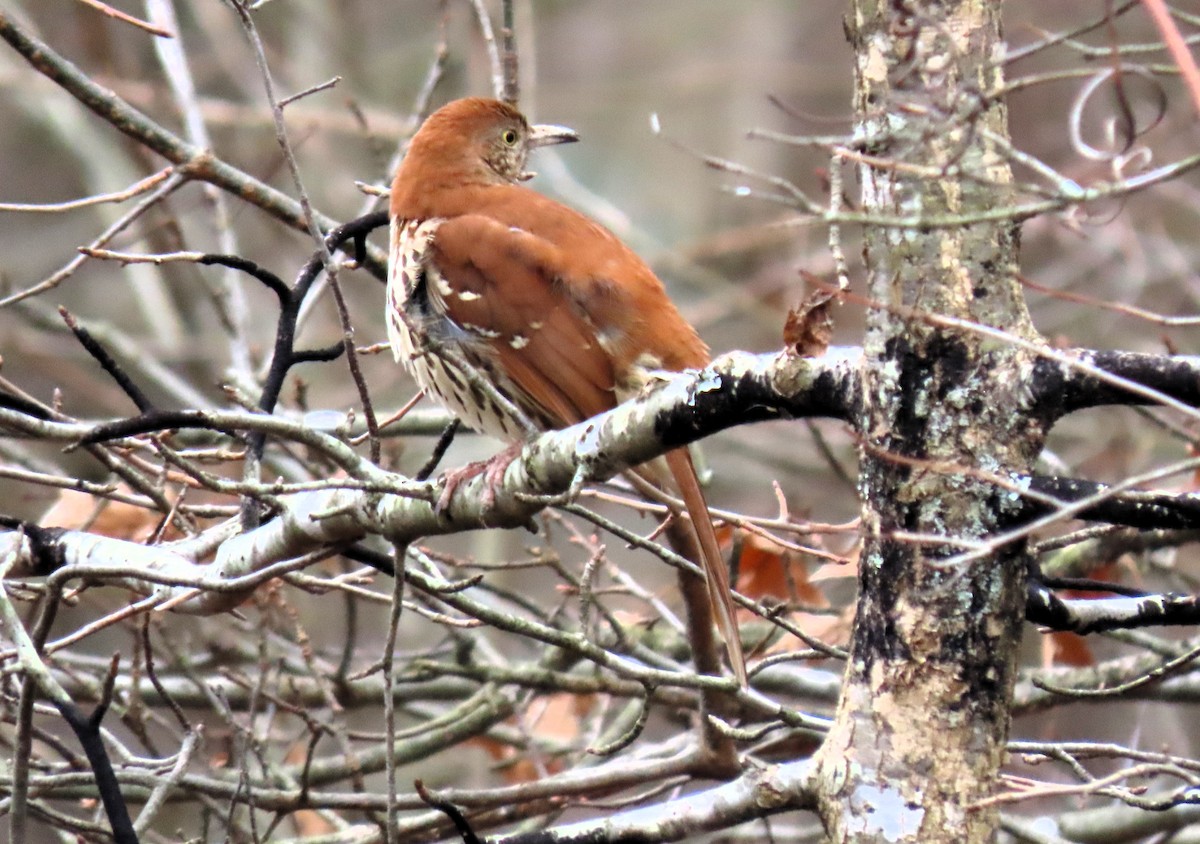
(707,72)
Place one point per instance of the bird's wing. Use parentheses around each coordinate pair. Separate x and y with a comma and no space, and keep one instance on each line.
(503,285)
(515,291)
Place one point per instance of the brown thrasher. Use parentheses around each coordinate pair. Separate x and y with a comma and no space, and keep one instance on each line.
(549,307)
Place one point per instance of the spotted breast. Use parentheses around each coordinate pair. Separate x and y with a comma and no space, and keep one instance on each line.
(431,345)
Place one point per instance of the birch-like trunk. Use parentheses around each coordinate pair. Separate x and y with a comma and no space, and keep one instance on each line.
(922,723)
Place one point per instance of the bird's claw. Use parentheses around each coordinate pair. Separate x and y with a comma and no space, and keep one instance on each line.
(567,497)
(492,469)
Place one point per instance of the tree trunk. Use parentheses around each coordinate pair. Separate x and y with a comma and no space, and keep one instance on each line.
(923,719)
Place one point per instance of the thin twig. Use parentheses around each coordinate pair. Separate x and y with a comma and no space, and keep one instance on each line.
(136,189)
(123,222)
(129,19)
(196,162)
(391,671)
(229,298)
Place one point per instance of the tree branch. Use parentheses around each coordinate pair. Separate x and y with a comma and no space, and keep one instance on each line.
(736,388)
(1060,389)
(756,794)
(197,163)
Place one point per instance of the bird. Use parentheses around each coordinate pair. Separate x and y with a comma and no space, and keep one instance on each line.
(515,311)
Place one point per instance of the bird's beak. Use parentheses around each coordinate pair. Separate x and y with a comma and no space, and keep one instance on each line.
(544,135)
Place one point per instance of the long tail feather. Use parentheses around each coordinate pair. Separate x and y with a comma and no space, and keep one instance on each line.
(716,574)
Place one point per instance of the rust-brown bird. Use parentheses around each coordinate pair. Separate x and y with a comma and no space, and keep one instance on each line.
(552,309)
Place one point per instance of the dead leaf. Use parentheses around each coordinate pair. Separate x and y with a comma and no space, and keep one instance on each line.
(1063,648)
(767,569)
(555,716)
(76,510)
(307,822)
(809,327)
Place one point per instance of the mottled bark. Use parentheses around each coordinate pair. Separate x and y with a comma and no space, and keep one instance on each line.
(923,719)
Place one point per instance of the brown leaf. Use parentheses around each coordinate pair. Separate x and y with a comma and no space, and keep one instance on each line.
(80,511)
(556,716)
(1064,648)
(306,821)
(767,569)
(809,326)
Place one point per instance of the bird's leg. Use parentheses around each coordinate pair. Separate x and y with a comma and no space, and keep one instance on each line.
(581,476)
(492,469)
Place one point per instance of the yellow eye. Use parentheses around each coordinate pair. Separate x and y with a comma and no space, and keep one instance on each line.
(509,136)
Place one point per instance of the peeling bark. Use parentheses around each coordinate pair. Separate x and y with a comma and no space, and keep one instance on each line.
(923,719)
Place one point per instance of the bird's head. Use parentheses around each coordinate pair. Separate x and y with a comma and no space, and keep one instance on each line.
(482,140)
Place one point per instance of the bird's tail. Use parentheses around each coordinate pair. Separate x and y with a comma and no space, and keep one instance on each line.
(716,573)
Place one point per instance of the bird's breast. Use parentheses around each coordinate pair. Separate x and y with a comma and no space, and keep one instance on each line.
(444,358)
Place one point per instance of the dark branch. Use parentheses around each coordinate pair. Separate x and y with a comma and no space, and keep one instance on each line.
(355,230)
(1135,509)
(1088,584)
(325,355)
(97,351)
(383,563)
(448,809)
(1059,389)
(87,730)
(273,282)
(439,450)
(285,356)
(158,420)
(1092,615)
(22,405)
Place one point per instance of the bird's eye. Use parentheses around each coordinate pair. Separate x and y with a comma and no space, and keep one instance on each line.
(509,136)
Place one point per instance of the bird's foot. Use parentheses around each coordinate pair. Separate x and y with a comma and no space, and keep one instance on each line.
(568,497)
(492,469)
